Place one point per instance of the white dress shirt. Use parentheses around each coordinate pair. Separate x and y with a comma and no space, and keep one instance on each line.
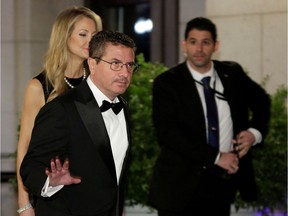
(224,113)
(115,126)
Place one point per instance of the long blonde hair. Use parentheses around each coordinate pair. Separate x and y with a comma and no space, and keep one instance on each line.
(56,59)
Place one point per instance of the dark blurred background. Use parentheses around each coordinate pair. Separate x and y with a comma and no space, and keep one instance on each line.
(156,22)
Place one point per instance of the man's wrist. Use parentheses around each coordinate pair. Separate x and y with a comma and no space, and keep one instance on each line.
(257,135)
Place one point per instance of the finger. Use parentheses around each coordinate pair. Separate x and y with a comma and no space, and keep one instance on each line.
(75,180)
(58,164)
(52,166)
(243,152)
(233,169)
(240,137)
(242,147)
(237,147)
(47,171)
(236,160)
(66,164)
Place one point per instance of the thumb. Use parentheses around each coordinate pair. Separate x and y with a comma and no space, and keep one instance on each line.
(75,180)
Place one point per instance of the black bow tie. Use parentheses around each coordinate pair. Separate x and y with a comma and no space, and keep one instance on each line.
(116,107)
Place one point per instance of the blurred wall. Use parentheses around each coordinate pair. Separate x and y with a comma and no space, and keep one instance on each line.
(25,31)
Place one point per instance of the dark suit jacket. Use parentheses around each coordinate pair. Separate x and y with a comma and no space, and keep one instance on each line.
(72,127)
(180,126)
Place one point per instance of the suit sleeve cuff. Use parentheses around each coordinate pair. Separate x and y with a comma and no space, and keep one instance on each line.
(257,135)
(217,158)
(48,191)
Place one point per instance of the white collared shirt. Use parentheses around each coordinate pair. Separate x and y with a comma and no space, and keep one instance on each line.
(118,140)
(224,113)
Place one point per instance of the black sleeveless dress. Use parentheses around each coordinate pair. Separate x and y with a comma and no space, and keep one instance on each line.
(48,89)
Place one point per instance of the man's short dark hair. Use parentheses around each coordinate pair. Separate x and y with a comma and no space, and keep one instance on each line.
(101,39)
(202,24)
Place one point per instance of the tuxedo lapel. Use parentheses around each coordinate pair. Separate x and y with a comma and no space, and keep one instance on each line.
(92,119)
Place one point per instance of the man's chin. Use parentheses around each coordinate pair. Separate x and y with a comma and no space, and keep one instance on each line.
(121,90)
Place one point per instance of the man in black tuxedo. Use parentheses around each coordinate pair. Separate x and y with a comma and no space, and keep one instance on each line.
(78,156)
(191,176)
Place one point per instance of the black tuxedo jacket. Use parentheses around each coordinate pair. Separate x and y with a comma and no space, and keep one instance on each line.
(180,126)
(71,126)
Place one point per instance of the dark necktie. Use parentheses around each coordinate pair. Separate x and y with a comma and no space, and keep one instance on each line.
(212,114)
(116,107)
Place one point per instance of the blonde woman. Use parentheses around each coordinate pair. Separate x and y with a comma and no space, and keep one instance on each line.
(63,69)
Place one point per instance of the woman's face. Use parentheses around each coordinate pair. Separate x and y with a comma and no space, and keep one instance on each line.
(78,42)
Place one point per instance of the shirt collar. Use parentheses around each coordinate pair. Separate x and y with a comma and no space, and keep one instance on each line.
(98,95)
(199,76)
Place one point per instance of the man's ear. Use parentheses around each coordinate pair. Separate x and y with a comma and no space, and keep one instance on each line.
(91,63)
(217,45)
(183,46)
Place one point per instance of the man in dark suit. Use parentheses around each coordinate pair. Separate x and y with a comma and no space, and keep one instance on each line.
(196,174)
(79,151)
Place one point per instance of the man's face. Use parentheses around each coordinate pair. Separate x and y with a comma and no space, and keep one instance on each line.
(199,47)
(112,83)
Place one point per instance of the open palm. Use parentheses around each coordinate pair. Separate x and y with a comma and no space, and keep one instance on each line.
(59,173)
